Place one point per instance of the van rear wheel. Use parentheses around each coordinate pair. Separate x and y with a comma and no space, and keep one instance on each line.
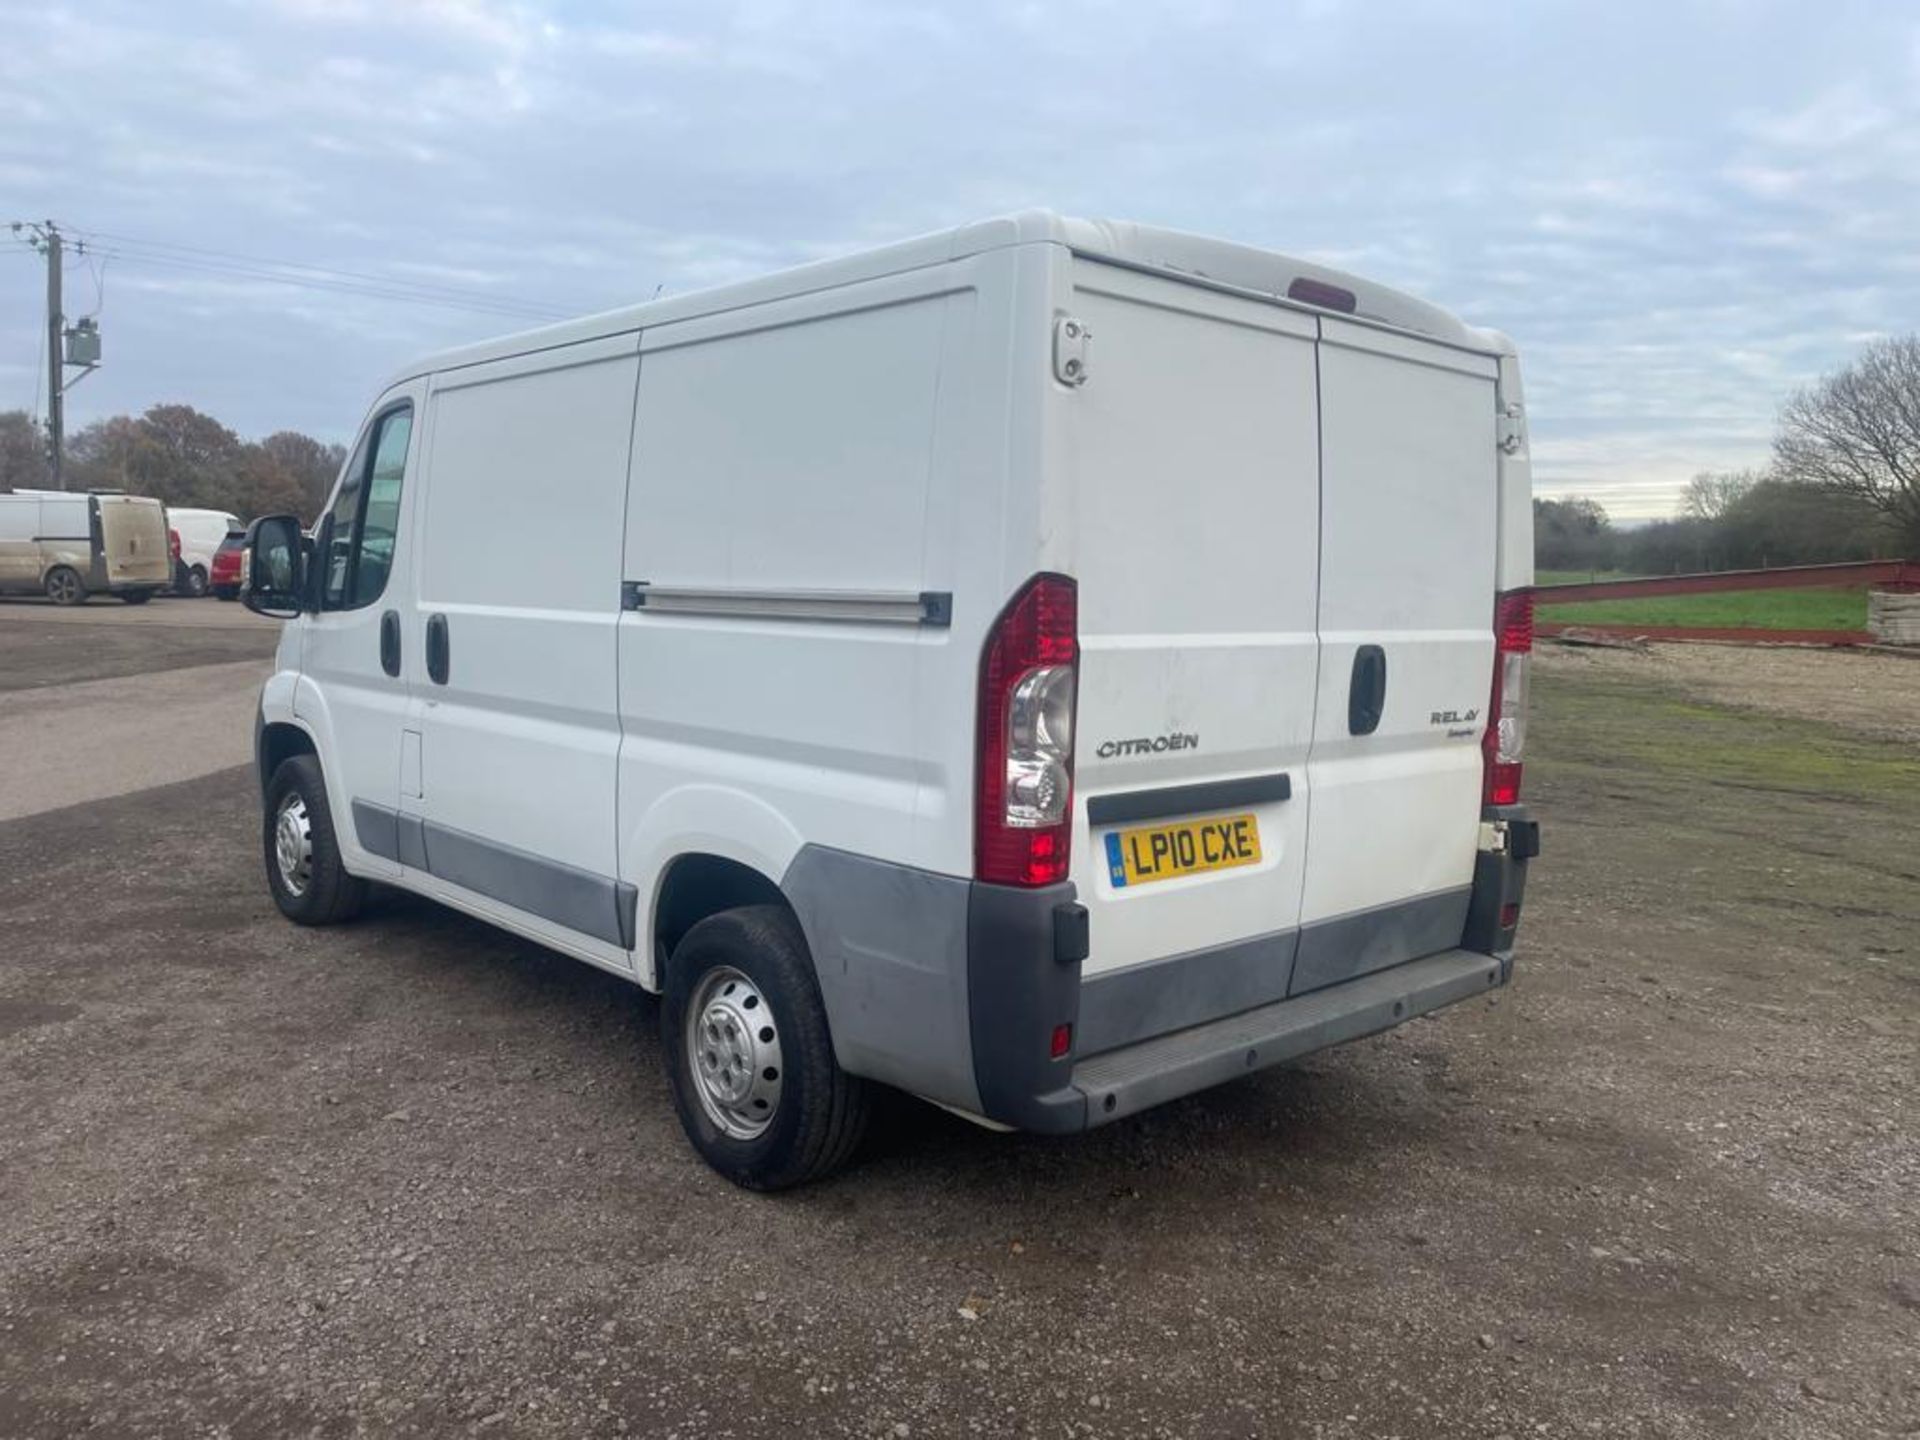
(304,871)
(744,1035)
(65,587)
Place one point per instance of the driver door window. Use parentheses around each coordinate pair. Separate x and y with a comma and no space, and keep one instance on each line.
(364,521)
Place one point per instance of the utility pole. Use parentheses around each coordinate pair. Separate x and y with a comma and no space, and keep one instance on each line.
(83,340)
(56,360)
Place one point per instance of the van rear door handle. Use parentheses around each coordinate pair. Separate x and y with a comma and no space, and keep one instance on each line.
(1367,694)
(437,649)
(390,642)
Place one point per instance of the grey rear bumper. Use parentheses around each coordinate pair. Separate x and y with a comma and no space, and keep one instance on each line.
(952,989)
(1122,1082)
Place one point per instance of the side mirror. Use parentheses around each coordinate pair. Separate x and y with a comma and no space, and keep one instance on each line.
(272,567)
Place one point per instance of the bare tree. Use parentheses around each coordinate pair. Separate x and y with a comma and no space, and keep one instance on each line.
(23,452)
(312,464)
(1857,432)
(1712,493)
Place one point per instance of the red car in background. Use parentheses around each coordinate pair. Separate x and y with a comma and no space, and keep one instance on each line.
(223,575)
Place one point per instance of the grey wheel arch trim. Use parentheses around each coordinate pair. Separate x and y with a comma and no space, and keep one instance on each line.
(889,948)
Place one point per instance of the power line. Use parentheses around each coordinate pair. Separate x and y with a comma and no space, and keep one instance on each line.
(97,269)
(166,254)
(39,369)
(455,292)
(508,310)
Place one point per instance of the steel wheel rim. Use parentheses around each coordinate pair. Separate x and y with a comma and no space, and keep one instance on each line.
(293,844)
(733,1052)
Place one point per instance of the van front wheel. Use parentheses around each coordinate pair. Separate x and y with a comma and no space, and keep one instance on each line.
(309,883)
(744,1035)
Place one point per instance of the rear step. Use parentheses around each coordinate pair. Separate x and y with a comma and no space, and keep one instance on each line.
(1121,1082)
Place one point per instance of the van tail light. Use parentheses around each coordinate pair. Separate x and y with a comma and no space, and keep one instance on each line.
(1506,735)
(1029,682)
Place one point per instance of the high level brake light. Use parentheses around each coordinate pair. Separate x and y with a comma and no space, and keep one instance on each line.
(1506,736)
(1029,678)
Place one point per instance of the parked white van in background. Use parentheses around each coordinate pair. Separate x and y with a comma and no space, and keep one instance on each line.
(201,532)
(68,545)
(1048,667)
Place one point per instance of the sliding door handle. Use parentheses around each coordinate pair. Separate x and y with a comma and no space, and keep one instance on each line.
(437,657)
(390,642)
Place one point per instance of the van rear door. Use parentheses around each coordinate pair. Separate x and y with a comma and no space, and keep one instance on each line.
(1187,507)
(133,541)
(1409,475)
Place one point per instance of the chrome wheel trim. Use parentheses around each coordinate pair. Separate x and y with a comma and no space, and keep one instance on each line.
(293,844)
(733,1051)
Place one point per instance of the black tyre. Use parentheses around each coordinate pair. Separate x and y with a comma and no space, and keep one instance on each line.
(136,597)
(196,582)
(226,592)
(302,856)
(744,1035)
(65,587)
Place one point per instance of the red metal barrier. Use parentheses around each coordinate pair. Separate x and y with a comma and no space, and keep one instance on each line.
(1884,574)
(1743,634)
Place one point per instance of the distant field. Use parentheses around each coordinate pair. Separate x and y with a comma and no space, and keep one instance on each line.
(1576,577)
(1757,609)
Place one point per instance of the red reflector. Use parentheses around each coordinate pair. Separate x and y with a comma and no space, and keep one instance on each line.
(1062,1042)
(1327,297)
(1503,782)
(1509,915)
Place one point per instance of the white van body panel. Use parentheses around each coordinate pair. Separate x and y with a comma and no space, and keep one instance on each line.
(776,523)
(201,532)
(832,477)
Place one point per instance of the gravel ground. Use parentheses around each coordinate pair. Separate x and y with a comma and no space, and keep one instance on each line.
(1868,693)
(43,645)
(413,1176)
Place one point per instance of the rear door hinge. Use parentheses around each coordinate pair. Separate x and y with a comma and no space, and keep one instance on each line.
(1070,340)
(1510,432)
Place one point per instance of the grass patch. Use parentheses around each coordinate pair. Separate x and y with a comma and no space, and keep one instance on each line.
(1758,609)
(1615,724)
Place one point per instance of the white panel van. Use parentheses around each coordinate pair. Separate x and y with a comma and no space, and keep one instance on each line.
(1048,667)
(200,532)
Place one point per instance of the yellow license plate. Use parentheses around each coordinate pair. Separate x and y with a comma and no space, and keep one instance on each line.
(1187,847)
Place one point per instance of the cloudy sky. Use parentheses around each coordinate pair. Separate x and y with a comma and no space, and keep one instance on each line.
(1680,210)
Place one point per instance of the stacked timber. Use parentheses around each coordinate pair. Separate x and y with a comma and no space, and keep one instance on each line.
(1894,617)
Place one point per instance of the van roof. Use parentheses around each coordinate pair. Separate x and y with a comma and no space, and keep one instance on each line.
(1220,263)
